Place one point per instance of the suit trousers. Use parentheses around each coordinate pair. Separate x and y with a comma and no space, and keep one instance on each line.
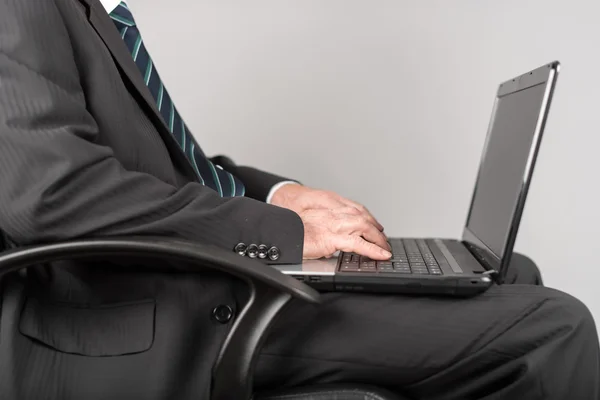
(516,341)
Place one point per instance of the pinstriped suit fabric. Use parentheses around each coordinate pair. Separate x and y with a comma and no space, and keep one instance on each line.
(210,175)
(80,154)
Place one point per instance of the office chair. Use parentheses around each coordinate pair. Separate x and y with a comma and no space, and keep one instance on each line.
(270,291)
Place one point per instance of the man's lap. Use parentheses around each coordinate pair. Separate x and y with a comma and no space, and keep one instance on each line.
(418,335)
(399,341)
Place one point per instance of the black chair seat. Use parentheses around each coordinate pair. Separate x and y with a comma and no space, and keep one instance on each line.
(333,392)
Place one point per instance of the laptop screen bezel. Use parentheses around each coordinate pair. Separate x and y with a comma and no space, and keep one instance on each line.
(545,75)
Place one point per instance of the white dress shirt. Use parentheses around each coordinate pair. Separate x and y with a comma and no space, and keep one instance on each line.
(110,5)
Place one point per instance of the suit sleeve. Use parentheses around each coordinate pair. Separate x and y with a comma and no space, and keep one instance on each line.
(58,183)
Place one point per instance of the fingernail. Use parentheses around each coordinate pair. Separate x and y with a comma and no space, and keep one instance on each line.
(386,253)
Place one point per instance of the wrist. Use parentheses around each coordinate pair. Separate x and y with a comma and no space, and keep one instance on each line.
(286,194)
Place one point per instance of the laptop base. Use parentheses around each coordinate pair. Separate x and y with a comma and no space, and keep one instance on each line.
(362,275)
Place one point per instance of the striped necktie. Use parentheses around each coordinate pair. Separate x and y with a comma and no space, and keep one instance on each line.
(209,175)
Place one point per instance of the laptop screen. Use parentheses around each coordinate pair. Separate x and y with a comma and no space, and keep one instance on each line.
(508,153)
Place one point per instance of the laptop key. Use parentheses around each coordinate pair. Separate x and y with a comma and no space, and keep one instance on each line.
(401,264)
(397,245)
(368,264)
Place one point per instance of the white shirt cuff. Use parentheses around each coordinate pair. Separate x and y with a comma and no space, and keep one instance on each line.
(277,187)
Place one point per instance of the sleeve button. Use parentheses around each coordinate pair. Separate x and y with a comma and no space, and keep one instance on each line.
(252,251)
(240,248)
(262,251)
(274,253)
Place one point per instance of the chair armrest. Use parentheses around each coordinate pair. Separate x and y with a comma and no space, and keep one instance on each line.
(171,249)
(345,391)
(270,291)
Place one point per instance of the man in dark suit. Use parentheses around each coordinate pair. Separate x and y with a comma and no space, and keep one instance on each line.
(91,145)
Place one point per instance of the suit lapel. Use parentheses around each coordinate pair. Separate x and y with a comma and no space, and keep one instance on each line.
(105,28)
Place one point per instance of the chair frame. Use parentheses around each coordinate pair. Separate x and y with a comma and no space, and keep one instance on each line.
(270,291)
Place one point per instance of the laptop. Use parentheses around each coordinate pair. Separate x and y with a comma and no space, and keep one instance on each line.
(471,265)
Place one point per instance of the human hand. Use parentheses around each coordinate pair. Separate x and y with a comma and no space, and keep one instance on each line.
(332,223)
(300,198)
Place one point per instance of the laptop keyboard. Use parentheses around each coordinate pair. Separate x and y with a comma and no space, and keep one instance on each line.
(409,256)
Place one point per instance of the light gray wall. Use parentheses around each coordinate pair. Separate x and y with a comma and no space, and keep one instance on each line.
(387,102)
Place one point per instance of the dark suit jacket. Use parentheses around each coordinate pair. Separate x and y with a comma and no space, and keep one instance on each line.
(84,153)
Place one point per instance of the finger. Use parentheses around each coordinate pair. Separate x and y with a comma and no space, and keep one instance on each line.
(334,200)
(355,221)
(329,200)
(357,244)
(374,235)
(361,226)
(365,213)
(362,209)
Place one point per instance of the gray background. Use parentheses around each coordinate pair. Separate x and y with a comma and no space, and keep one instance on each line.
(388,101)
